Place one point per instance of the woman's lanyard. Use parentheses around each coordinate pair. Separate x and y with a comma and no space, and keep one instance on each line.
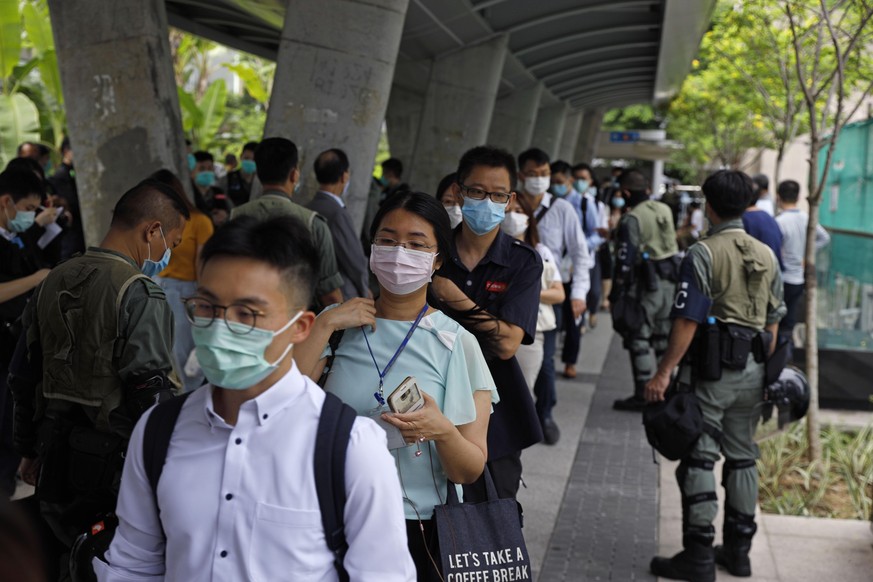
(380,395)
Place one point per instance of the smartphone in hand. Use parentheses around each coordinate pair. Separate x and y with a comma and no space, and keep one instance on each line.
(406,397)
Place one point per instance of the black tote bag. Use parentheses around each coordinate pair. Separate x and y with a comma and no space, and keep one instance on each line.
(481,538)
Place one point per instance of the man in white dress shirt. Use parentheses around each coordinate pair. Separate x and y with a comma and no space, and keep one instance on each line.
(237,498)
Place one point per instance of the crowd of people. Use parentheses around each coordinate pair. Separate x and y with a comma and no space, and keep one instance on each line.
(260,310)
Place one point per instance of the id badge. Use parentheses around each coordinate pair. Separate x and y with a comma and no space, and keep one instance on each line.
(395,437)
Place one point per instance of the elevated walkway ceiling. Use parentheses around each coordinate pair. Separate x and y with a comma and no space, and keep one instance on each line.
(587,53)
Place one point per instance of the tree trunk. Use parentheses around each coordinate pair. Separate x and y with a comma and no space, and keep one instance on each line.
(780,158)
(811,342)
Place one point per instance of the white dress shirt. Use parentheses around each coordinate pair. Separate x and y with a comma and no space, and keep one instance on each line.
(560,230)
(239,502)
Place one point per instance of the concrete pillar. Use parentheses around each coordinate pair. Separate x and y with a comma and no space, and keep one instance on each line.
(588,134)
(570,138)
(512,124)
(657,176)
(549,129)
(457,110)
(120,95)
(405,108)
(333,76)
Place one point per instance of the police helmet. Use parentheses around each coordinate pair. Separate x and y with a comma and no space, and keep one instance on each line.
(790,394)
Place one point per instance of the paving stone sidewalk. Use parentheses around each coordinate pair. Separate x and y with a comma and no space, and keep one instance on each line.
(607,524)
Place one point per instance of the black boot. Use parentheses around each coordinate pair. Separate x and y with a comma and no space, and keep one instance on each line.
(696,563)
(635,403)
(734,554)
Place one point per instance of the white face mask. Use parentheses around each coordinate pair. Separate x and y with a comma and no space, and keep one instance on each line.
(455,215)
(514,224)
(537,185)
(401,271)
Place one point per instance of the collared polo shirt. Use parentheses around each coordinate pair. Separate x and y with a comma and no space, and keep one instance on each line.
(506,284)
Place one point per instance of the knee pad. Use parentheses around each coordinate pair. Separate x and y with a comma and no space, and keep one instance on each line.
(731,465)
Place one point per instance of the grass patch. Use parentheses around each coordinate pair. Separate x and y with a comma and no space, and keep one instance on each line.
(839,486)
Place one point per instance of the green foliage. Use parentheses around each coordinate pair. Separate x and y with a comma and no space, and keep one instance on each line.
(257,78)
(10,36)
(19,122)
(32,107)
(641,116)
(838,485)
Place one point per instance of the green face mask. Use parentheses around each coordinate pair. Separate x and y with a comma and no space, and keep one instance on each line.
(248,166)
(235,361)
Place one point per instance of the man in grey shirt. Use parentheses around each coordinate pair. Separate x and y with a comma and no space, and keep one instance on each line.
(793,223)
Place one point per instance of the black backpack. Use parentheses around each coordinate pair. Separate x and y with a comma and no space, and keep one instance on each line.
(331,442)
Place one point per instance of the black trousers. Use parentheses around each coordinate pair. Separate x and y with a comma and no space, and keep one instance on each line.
(424,547)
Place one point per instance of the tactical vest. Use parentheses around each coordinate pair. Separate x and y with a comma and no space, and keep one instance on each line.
(743,270)
(271,205)
(80,329)
(657,233)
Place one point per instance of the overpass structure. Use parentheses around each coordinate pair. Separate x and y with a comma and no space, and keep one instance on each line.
(443,75)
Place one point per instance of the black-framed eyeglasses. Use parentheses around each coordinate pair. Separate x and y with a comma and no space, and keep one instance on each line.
(239,319)
(480,194)
(415,245)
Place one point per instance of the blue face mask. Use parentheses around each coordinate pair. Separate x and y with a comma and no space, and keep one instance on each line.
(559,190)
(383,180)
(152,268)
(248,166)
(205,179)
(192,161)
(580,185)
(483,216)
(22,221)
(618,202)
(233,361)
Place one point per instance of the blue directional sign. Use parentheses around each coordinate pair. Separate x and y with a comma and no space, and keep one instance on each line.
(624,136)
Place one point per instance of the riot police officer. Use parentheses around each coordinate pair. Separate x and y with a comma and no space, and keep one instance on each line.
(645,282)
(96,352)
(726,311)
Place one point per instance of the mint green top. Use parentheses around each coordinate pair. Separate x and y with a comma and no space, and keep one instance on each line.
(448,364)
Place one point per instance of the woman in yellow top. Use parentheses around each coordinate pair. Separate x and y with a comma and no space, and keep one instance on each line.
(179,279)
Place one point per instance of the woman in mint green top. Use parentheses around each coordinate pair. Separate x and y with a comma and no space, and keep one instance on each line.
(411,234)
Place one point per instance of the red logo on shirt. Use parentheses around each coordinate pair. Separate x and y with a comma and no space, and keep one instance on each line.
(495,286)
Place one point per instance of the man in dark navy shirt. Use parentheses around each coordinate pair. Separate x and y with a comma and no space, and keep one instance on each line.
(491,284)
(761,225)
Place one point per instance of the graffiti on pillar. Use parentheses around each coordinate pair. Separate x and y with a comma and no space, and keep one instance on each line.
(344,80)
(104,95)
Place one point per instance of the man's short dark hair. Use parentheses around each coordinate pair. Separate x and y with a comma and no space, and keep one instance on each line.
(150,201)
(788,191)
(489,157)
(202,156)
(761,181)
(330,165)
(561,167)
(250,147)
(583,166)
(633,181)
(20,185)
(394,166)
(65,144)
(535,155)
(276,158)
(728,193)
(283,242)
(27,165)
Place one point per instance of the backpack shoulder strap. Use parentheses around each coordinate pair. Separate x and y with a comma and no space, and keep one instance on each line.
(156,438)
(333,343)
(331,442)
